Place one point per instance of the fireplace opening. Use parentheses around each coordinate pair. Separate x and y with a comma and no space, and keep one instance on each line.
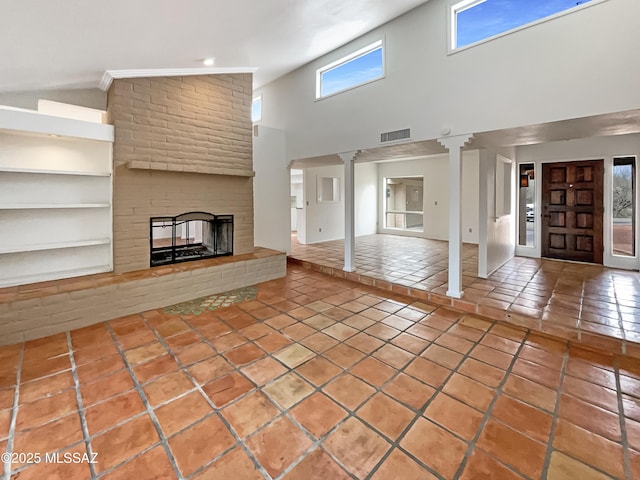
(190,236)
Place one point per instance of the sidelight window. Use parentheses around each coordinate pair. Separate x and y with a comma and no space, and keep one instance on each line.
(623,206)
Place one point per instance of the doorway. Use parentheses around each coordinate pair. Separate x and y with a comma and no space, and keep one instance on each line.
(572,211)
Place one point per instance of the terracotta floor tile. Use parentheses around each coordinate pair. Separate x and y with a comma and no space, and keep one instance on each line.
(359,322)
(198,445)
(499,343)
(46,409)
(280,321)
(594,394)
(358,447)
(318,414)
(99,368)
(43,470)
(393,356)
(273,342)
(235,464)
(50,437)
(349,391)
(589,448)
(563,466)
(124,441)
(428,372)
(167,387)
(410,343)
(383,332)
(386,415)
(510,447)
(425,441)
(523,418)
(136,339)
(210,369)
(250,413)
(298,331)
(227,388)
(183,340)
(263,371)
(373,371)
(113,411)
(319,321)
(453,342)
(491,356)
(46,386)
(319,342)
(155,368)
(409,391)
(589,417)
(469,391)
(398,322)
(245,354)
(344,355)
(228,342)
(151,465)
(278,445)
(182,412)
(105,387)
(630,386)
(542,357)
(288,390)
(591,373)
(483,467)
(317,465)
(42,368)
(195,353)
(531,392)
(442,356)
(455,416)
(483,373)
(537,373)
(294,355)
(318,371)
(6,398)
(400,466)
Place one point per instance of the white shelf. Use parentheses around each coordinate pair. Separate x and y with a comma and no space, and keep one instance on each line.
(43,277)
(40,206)
(53,172)
(54,246)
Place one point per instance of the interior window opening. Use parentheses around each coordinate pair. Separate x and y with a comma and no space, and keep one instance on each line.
(404,203)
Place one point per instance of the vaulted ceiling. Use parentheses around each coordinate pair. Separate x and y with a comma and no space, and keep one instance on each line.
(71,43)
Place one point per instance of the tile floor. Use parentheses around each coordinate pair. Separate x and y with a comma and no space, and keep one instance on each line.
(317,378)
(568,299)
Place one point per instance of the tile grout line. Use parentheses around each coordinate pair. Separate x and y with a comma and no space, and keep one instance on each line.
(216,410)
(81,412)
(489,410)
(556,413)
(14,416)
(145,401)
(623,425)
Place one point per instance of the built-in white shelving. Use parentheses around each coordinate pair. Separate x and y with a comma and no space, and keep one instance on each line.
(55,197)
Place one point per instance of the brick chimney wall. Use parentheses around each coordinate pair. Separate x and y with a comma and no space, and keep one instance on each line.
(181,144)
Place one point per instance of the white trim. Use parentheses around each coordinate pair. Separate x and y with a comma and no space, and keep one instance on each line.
(110,75)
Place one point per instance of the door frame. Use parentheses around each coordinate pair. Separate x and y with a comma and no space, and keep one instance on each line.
(608,260)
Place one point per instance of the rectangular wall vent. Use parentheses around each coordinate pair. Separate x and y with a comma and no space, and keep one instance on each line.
(396,135)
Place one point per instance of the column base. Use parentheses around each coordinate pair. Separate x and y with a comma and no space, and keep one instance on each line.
(349,269)
(459,294)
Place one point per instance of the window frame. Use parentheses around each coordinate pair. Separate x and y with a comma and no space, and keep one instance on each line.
(459,6)
(372,47)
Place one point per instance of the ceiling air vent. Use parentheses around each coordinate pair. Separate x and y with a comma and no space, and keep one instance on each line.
(396,135)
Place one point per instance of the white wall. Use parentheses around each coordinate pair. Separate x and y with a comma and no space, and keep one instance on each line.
(576,65)
(435,171)
(366,204)
(497,234)
(85,97)
(271,187)
(322,221)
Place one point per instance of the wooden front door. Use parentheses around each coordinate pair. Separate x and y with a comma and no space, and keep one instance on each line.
(572,210)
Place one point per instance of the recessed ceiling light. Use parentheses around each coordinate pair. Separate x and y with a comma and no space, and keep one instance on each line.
(209,62)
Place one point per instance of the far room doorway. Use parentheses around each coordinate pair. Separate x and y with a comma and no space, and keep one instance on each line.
(573,211)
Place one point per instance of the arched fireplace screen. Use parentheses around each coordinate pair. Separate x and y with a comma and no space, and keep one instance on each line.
(190,236)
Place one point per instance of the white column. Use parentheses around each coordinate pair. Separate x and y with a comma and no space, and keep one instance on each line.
(349,211)
(454,144)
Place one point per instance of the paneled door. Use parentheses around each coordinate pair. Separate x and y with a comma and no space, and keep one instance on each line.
(572,210)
